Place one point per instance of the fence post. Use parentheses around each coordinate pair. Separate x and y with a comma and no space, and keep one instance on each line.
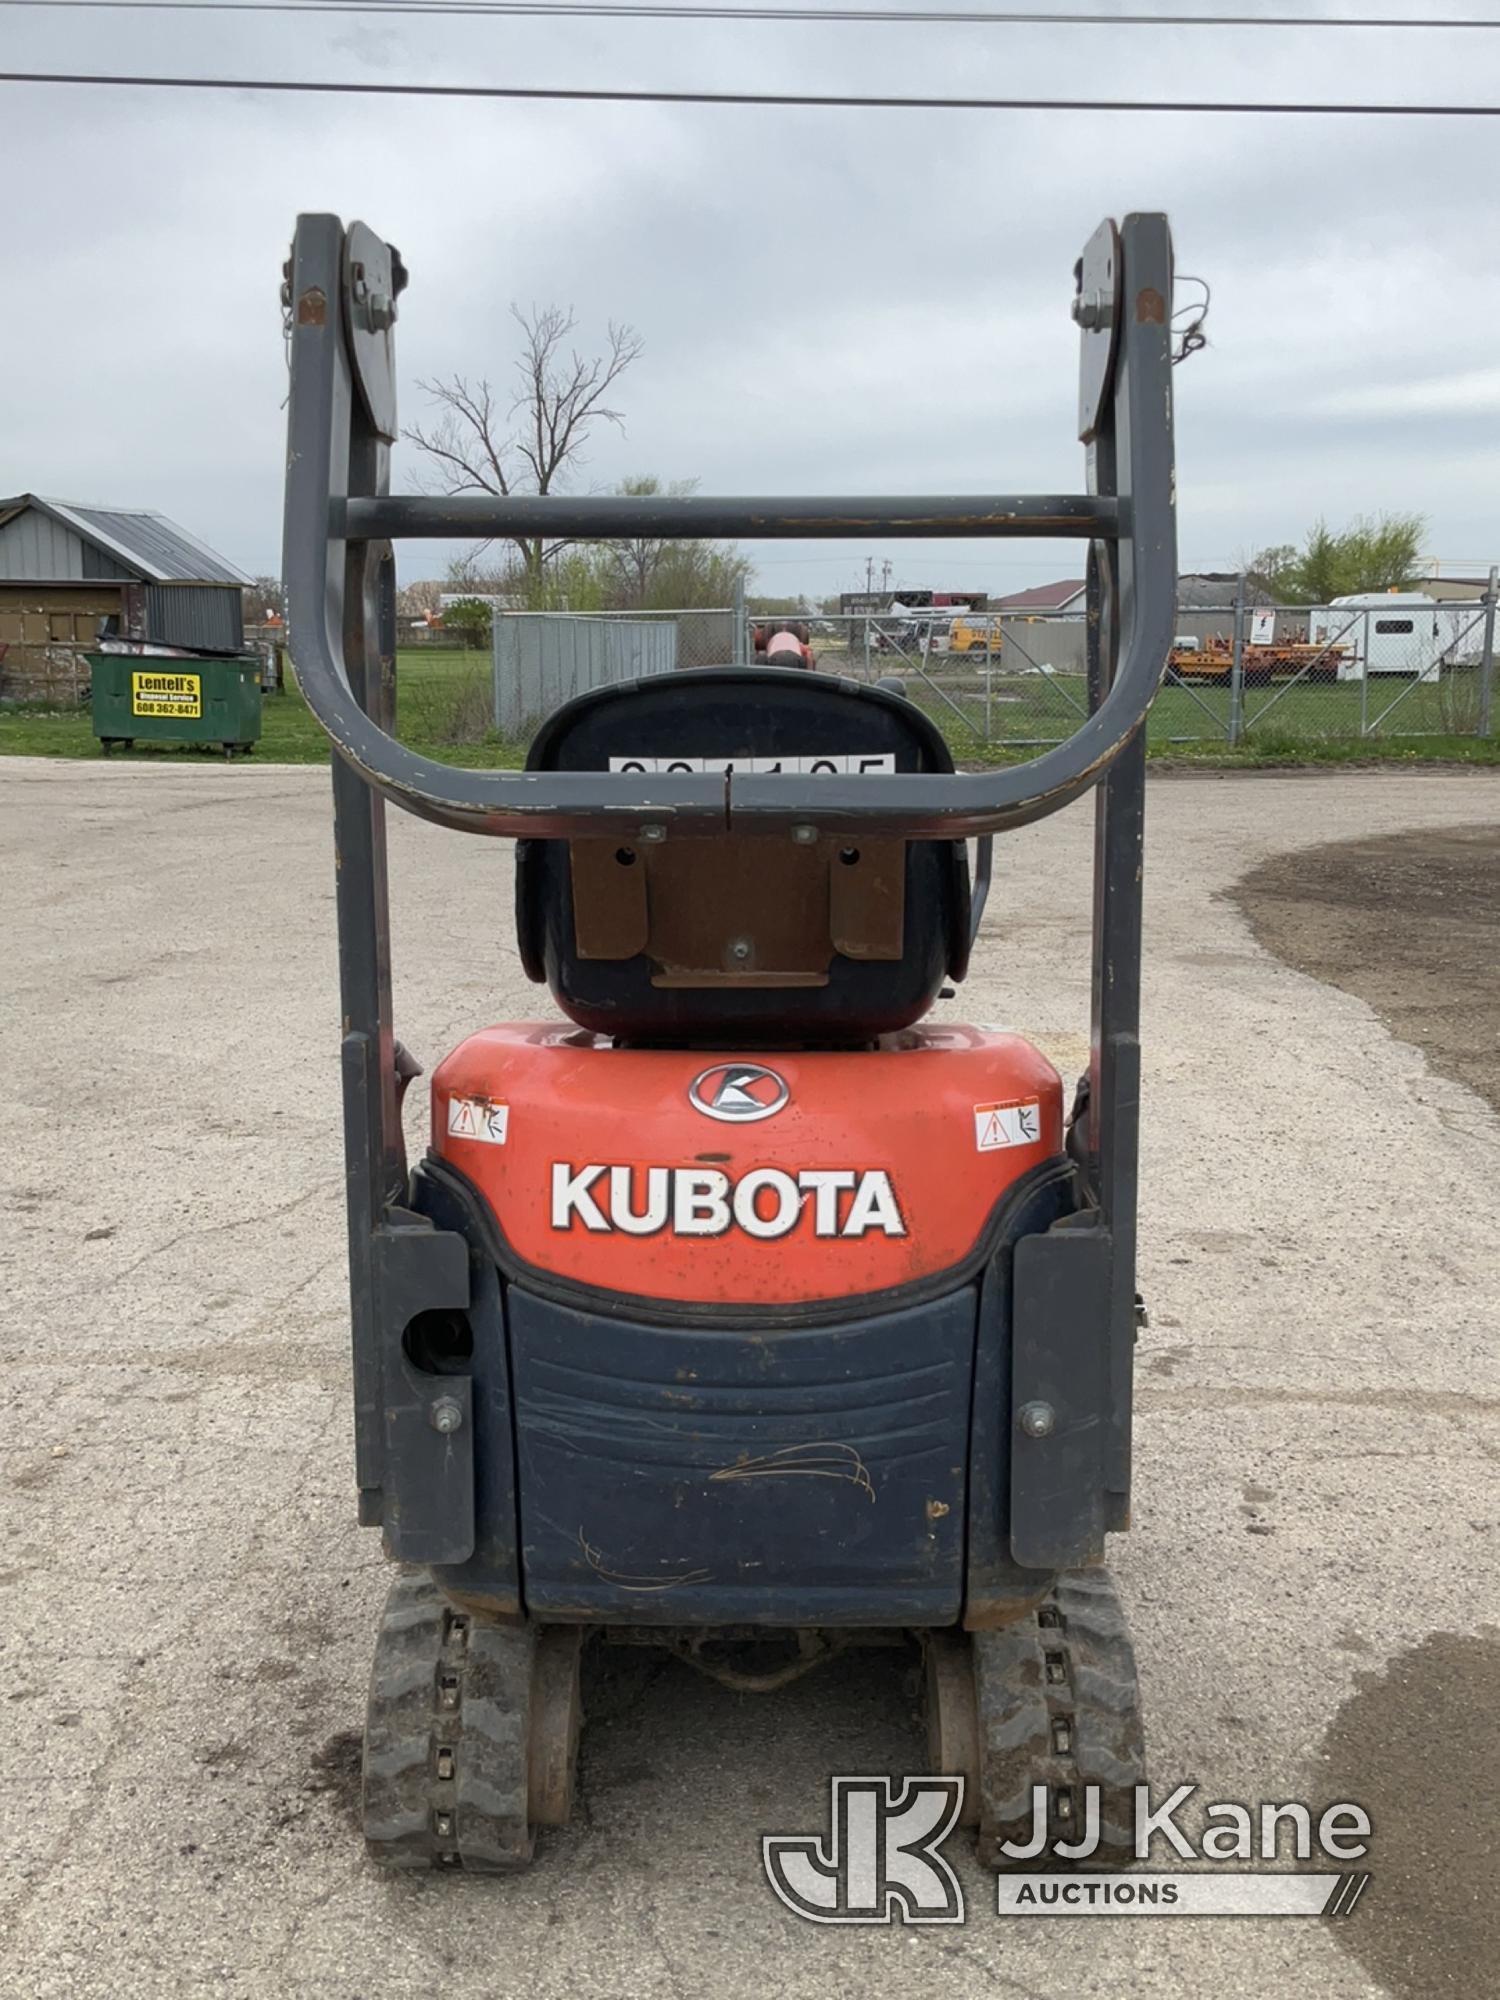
(1364,679)
(741,628)
(989,676)
(1487,656)
(1237,667)
(497,683)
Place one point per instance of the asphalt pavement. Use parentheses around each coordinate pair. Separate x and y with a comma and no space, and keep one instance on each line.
(187,1606)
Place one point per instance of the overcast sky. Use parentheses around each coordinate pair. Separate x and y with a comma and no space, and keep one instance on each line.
(831,301)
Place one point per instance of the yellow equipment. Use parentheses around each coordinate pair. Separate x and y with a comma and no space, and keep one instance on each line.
(975,635)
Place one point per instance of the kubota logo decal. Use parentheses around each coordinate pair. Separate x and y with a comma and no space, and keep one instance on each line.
(738,1092)
(703,1201)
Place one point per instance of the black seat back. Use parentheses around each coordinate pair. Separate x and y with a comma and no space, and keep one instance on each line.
(743,939)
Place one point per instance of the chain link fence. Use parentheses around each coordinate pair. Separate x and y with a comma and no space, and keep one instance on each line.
(1392,665)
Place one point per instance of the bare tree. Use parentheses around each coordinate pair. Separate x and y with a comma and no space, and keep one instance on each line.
(263,599)
(419,599)
(481,444)
(654,573)
(634,564)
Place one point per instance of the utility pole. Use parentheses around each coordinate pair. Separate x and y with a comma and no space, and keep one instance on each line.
(869,574)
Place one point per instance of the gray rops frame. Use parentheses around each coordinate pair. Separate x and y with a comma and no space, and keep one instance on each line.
(341,297)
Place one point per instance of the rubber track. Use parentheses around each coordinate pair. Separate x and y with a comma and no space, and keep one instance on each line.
(446,1732)
(1059,1705)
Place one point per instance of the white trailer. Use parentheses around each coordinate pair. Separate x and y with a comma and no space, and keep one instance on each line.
(1398,632)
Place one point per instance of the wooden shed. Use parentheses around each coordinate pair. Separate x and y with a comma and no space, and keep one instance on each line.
(66,568)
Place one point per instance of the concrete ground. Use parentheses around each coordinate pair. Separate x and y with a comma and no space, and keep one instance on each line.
(186,1605)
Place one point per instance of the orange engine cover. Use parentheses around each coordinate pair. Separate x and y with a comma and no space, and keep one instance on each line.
(748,1180)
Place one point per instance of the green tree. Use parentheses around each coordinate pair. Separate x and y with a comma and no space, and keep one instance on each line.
(573,580)
(1273,568)
(471,618)
(1375,552)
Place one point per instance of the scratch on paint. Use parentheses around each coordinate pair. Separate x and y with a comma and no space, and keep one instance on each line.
(595,1562)
(822,1460)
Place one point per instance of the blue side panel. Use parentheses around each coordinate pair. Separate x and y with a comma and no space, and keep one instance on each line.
(493,1571)
(683,1476)
(996,1582)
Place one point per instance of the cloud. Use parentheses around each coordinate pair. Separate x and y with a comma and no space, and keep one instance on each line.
(831,301)
(1474,393)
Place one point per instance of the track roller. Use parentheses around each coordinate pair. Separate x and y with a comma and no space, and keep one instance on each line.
(471,1736)
(1052,1700)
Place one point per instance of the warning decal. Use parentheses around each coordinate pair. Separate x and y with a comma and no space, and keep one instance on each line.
(1000,1125)
(166,694)
(478,1118)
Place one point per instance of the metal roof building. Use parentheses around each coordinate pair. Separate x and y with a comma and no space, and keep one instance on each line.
(64,568)
(1067,596)
(1216,590)
(1209,591)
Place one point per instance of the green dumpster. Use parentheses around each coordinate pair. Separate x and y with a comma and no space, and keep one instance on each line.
(140,699)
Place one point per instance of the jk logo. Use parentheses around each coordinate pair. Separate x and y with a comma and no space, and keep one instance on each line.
(880,1863)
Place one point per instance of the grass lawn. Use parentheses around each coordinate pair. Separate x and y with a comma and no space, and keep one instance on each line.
(444,710)
(1282,724)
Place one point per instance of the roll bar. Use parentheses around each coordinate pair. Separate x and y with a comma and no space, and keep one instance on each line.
(341,298)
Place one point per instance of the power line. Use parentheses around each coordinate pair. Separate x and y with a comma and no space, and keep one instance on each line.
(536,93)
(634,10)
